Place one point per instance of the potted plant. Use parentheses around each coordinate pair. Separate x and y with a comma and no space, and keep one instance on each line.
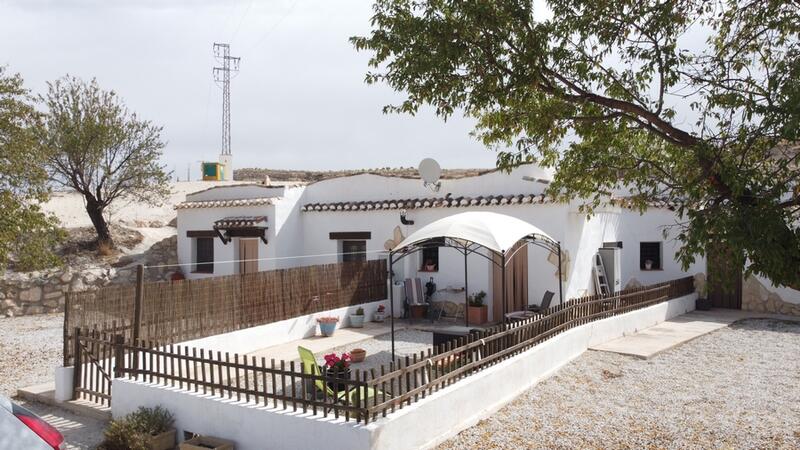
(380,314)
(357,319)
(358,355)
(648,264)
(337,367)
(327,325)
(150,428)
(702,303)
(477,312)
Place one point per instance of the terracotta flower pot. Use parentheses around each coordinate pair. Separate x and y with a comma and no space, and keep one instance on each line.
(478,314)
(358,355)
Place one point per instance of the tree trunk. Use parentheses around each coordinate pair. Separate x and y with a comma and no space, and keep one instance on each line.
(96,214)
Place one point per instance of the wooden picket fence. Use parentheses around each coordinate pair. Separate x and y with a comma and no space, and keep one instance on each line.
(176,311)
(396,385)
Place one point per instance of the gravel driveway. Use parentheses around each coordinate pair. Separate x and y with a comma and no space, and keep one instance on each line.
(738,387)
(30,349)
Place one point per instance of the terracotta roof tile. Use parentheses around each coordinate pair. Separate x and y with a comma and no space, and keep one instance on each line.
(226,203)
(454,202)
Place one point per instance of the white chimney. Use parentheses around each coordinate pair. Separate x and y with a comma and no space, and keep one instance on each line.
(227,167)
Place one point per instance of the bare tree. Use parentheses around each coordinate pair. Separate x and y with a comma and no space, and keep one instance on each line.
(101,150)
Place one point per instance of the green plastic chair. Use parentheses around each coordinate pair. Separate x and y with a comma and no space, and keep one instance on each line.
(310,367)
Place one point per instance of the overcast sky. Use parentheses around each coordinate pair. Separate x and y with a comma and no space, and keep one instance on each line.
(299,102)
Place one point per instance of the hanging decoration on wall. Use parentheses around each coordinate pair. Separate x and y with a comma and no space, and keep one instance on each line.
(552,258)
(396,239)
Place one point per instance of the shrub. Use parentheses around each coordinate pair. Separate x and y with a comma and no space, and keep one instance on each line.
(152,421)
(360,312)
(133,431)
(123,435)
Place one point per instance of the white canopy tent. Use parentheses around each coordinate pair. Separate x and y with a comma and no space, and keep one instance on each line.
(493,231)
(468,232)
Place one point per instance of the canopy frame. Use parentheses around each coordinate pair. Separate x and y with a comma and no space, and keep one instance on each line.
(467,247)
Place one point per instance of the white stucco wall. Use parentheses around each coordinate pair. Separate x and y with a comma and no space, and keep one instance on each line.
(239,191)
(423,424)
(296,238)
(276,333)
(649,227)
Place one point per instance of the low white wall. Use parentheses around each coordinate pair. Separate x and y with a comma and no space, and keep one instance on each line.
(276,333)
(422,425)
(459,406)
(250,426)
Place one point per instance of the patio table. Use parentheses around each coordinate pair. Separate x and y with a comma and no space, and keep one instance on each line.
(521,315)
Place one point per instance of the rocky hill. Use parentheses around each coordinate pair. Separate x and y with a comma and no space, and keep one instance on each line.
(310,176)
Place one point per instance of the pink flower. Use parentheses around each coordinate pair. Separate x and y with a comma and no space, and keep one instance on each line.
(334,361)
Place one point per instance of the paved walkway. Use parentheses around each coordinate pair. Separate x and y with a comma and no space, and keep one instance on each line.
(318,344)
(666,335)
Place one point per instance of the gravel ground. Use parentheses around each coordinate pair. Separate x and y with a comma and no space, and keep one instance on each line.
(379,349)
(30,349)
(738,387)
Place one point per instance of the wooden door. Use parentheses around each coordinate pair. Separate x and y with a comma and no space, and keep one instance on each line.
(724,278)
(516,282)
(248,253)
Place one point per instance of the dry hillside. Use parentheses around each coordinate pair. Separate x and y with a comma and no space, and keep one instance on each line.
(310,176)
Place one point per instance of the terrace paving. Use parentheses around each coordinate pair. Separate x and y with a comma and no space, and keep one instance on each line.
(317,344)
(651,341)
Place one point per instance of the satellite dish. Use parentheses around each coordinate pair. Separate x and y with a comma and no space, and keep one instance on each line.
(430,172)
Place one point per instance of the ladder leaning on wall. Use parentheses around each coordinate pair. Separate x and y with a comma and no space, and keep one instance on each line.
(600,279)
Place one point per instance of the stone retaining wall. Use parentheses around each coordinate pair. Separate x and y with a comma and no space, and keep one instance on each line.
(43,292)
(757,297)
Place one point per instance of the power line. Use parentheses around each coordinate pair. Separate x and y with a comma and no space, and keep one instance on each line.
(274,258)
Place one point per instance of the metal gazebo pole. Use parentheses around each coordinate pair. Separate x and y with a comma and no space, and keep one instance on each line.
(466,290)
(560,277)
(503,278)
(391,298)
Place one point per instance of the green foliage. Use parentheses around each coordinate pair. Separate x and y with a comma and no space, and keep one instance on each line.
(476,299)
(360,311)
(27,234)
(152,421)
(101,150)
(133,431)
(596,91)
(123,435)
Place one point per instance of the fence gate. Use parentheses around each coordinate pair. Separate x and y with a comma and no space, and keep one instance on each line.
(94,365)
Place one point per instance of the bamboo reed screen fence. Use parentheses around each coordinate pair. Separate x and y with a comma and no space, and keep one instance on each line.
(175,311)
(398,384)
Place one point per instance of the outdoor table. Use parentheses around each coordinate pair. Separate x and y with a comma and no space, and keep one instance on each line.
(521,315)
(418,310)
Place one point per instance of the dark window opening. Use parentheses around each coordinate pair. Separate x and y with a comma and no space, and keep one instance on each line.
(204,255)
(354,251)
(430,255)
(650,255)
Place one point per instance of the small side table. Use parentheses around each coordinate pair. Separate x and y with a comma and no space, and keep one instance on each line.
(418,311)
